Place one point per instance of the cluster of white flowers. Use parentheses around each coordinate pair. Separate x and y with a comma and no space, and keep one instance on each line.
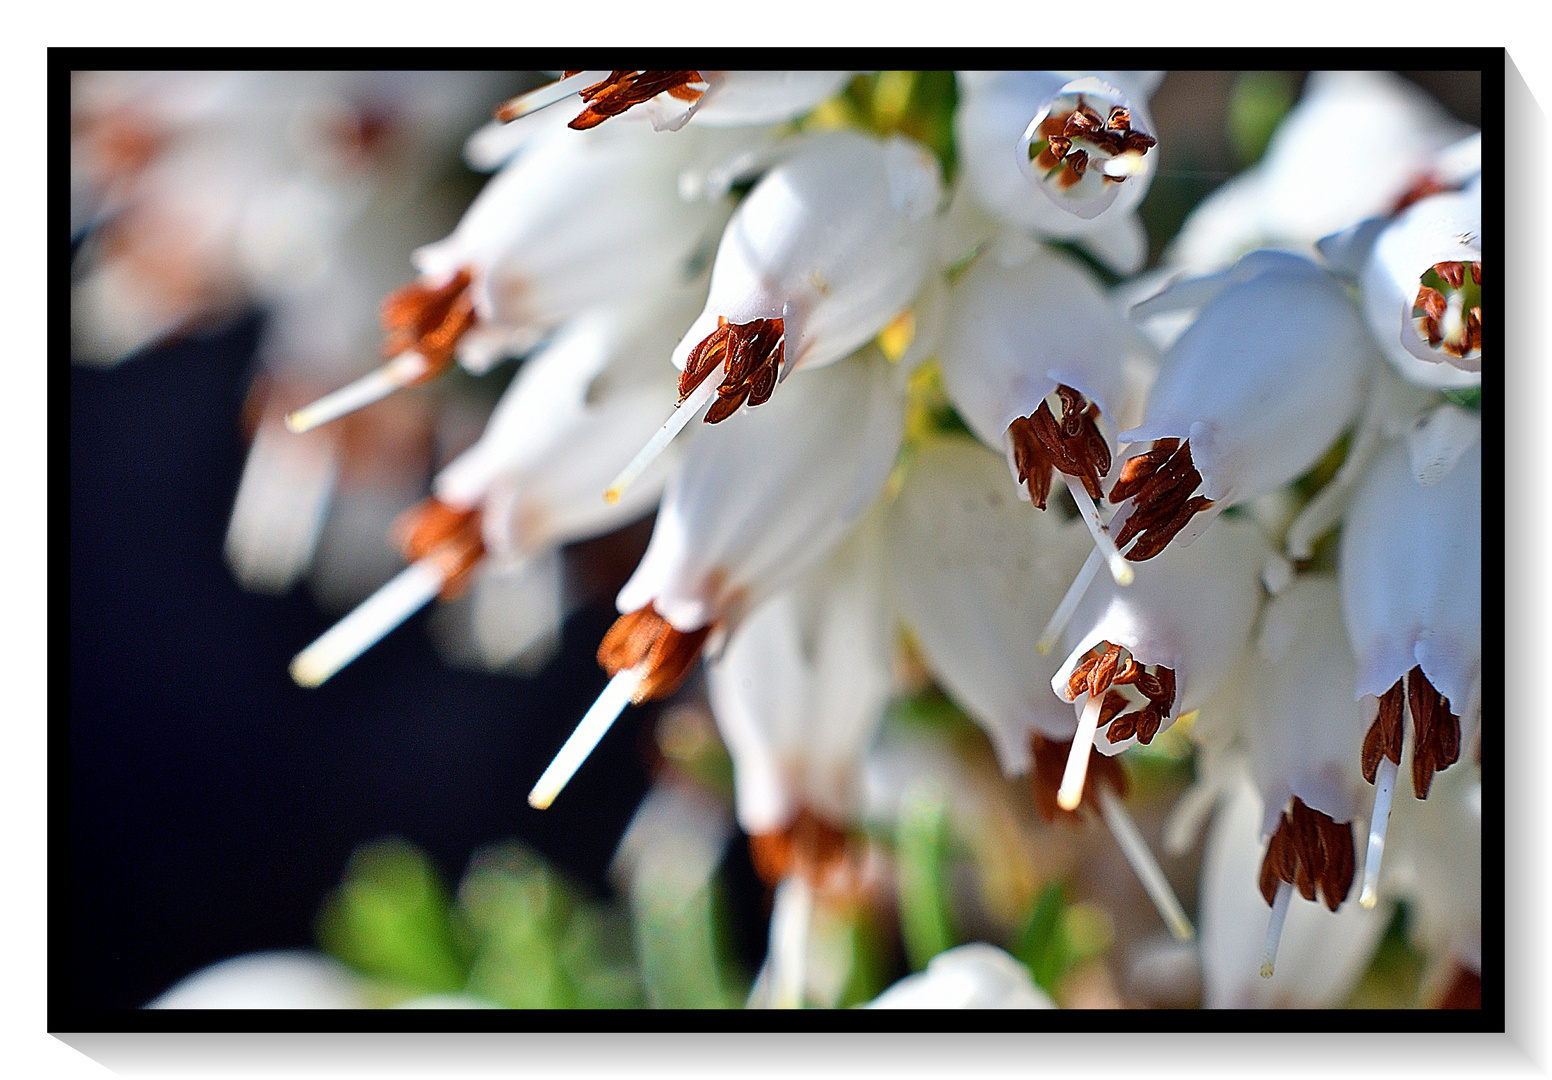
(675,246)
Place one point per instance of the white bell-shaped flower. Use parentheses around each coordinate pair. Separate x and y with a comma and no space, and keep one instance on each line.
(1304,728)
(1322,954)
(974,976)
(800,690)
(1146,653)
(754,505)
(1422,290)
(832,243)
(1248,398)
(1064,154)
(1411,574)
(976,574)
(1024,323)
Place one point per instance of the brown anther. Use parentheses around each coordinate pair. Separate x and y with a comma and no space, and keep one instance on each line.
(1050,763)
(1430,301)
(624,89)
(1161,485)
(1074,446)
(1158,687)
(1311,852)
(1120,119)
(1078,681)
(810,846)
(1083,122)
(1074,165)
(1474,330)
(645,640)
(451,538)
(1059,145)
(1383,738)
(1422,188)
(1137,471)
(428,320)
(1436,729)
(1430,330)
(1103,672)
(1476,273)
(1452,273)
(753,353)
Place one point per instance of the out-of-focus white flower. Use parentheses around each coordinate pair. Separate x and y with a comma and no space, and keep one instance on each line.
(291,979)
(1433,860)
(1353,146)
(1248,398)
(801,687)
(1322,953)
(1025,325)
(1422,290)
(974,976)
(976,574)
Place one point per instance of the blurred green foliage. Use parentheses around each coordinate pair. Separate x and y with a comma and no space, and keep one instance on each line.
(1257,104)
(1058,936)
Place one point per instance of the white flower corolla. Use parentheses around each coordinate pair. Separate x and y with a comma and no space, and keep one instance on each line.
(1351,148)
(1433,860)
(1248,398)
(1303,724)
(671,99)
(974,976)
(1322,953)
(1041,366)
(572,417)
(1411,574)
(1422,290)
(1088,181)
(574,221)
(800,690)
(754,505)
(830,245)
(288,979)
(976,574)
(1165,641)
(757,503)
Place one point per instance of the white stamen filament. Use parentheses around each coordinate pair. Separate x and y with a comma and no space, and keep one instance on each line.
(1453,325)
(372,387)
(681,416)
(598,719)
(1274,927)
(791,911)
(547,95)
(1384,788)
(1071,792)
(1064,611)
(412,589)
(1124,165)
(1120,569)
(1144,865)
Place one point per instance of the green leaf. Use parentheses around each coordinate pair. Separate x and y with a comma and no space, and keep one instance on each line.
(921,854)
(389,919)
(1466,399)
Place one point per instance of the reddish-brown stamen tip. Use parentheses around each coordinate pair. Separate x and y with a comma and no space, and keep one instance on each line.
(431,529)
(810,846)
(753,352)
(429,320)
(622,90)
(1074,446)
(1161,484)
(645,640)
(1311,852)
